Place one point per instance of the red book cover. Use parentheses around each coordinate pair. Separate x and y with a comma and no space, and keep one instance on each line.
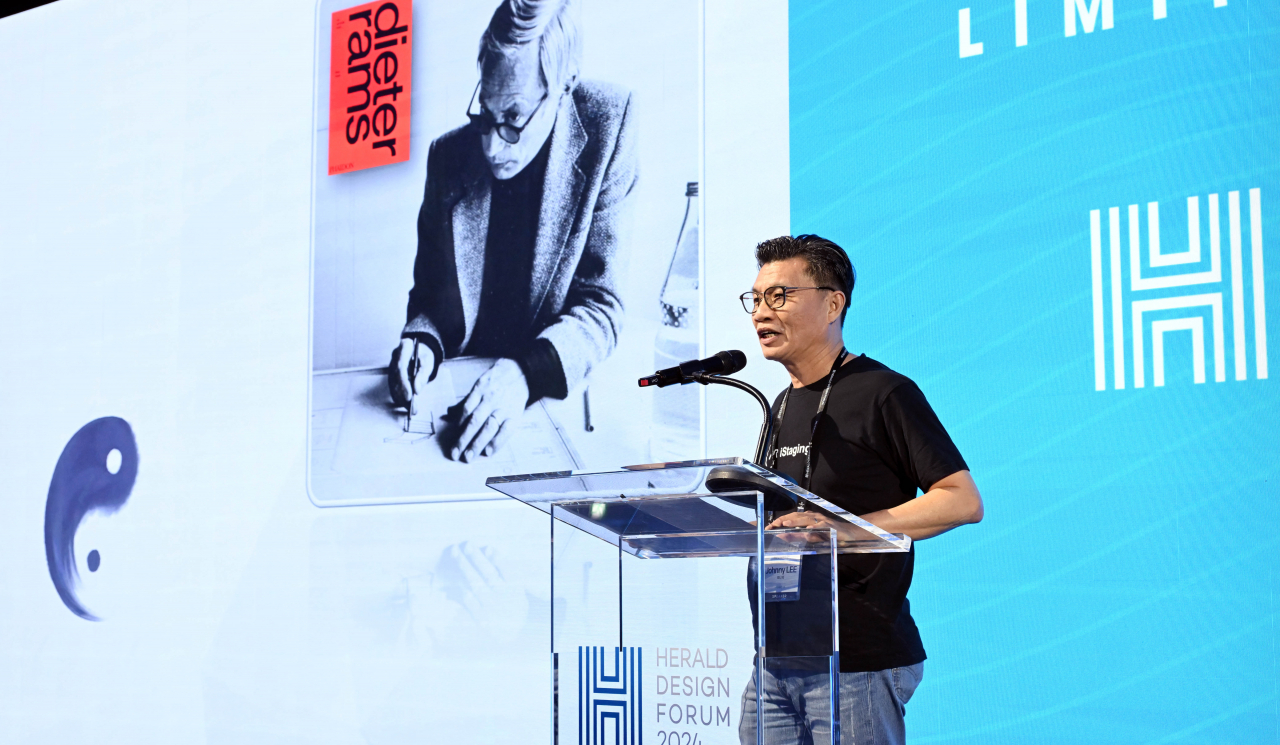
(370,63)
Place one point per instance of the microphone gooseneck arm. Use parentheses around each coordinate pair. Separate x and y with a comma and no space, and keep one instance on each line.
(766,429)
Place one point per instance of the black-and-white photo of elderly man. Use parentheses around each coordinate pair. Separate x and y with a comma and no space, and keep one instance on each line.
(521,228)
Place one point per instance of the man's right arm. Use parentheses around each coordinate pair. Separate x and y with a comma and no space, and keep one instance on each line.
(432,265)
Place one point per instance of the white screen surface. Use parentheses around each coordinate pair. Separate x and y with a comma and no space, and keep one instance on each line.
(157,258)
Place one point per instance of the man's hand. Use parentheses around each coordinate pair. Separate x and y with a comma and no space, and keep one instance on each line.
(469,575)
(814,520)
(489,410)
(402,384)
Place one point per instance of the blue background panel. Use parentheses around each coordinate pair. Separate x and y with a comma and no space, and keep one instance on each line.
(1122,586)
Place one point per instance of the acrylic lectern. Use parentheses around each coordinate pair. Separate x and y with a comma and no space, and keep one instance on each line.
(665,652)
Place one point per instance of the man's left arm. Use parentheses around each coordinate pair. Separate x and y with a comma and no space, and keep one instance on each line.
(587,331)
(932,461)
(925,450)
(951,502)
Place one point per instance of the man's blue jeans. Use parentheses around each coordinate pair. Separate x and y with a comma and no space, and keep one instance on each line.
(797,706)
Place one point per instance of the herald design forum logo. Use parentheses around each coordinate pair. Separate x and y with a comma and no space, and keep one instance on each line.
(370,71)
(610,696)
(1163,297)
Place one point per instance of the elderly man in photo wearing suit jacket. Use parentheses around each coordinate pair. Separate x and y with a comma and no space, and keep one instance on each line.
(521,228)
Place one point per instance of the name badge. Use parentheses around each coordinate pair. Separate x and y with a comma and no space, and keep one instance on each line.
(781,578)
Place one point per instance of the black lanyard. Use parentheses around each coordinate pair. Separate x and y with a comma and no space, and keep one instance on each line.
(813,433)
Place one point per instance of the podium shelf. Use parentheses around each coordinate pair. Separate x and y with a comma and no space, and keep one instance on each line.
(665,510)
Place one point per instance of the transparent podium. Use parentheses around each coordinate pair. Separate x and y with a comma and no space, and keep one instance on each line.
(668,652)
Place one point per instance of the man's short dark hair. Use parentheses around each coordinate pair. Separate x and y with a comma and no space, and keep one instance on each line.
(828,264)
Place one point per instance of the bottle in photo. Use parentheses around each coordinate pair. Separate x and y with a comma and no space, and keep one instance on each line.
(676,411)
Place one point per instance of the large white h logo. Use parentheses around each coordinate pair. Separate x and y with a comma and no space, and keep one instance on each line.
(1146,298)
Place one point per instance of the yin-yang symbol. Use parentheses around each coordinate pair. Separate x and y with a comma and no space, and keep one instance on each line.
(95,473)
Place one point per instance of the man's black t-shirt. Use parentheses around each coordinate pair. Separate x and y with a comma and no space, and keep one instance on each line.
(877,443)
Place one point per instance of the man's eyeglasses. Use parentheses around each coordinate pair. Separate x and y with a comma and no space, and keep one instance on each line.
(775,297)
(486,123)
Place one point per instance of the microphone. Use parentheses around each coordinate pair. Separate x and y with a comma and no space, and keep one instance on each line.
(710,370)
(727,362)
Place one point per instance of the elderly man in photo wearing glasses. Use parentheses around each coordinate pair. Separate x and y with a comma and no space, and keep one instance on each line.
(521,226)
(874,443)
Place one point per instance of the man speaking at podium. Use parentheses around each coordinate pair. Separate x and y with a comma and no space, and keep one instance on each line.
(861,436)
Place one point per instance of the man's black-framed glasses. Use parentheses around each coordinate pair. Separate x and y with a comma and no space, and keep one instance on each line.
(486,123)
(775,297)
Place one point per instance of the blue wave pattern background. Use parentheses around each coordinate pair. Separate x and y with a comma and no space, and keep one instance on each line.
(1122,588)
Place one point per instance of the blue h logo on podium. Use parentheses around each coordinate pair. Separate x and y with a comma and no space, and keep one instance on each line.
(610,696)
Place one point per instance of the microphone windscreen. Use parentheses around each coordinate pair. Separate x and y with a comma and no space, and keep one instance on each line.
(733,359)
